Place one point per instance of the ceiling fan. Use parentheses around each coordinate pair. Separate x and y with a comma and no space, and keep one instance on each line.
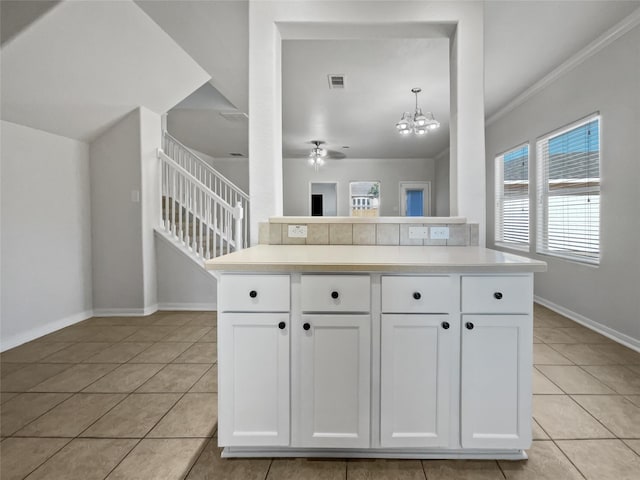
(327,154)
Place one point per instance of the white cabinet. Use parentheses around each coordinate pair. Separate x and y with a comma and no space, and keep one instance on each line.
(334,381)
(496,381)
(497,294)
(254,293)
(335,293)
(253,366)
(416,294)
(415,379)
(396,363)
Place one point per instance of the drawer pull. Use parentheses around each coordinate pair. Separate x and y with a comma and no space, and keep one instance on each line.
(417,295)
(253,294)
(497,295)
(282,325)
(445,325)
(306,326)
(469,325)
(334,294)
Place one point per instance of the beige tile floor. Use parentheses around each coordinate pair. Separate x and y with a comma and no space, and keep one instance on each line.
(136,398)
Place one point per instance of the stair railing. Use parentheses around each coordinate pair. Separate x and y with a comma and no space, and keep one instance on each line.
(207,175)
(195,216)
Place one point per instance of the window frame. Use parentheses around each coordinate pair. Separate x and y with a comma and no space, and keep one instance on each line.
(543,194)
(499,200)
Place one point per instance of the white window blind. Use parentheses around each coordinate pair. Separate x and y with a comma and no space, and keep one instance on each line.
(512,198)
(569,192)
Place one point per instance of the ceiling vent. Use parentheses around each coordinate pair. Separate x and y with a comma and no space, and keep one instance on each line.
(336,80)
(236,154)
(234,116)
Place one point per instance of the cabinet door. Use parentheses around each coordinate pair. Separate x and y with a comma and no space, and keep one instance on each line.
(334,381)
(253,396)
(415,380)
(496,381)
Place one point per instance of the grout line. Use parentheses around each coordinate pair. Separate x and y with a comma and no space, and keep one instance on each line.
(266,475)
(500,468)
(424,472)
(123,458)
(12,434)
(568,458)
(49,457)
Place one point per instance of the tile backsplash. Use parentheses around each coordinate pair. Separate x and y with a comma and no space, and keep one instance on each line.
(460,234)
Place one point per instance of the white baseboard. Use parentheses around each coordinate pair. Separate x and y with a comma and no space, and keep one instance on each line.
(124,312)
(608,332)
(204,307)
(32,334)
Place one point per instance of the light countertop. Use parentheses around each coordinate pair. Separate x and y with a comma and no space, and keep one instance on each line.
(372,258)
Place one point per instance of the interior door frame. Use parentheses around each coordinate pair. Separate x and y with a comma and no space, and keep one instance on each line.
(332,182)
(403,186)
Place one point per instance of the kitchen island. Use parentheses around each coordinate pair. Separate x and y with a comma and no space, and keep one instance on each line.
(374,351)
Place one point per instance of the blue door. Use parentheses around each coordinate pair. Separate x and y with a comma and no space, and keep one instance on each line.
(415,203)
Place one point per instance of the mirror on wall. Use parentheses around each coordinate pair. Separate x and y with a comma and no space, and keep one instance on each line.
(364,198)
(344,97)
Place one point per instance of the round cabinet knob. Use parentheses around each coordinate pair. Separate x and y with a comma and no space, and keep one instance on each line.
(334,294)
(497,295)
(445,325)
(282,325)
(417,295)
(469,325)
(253,294)
(306,326)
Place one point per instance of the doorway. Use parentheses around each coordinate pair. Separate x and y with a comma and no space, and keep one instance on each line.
(323,199)
(415,199)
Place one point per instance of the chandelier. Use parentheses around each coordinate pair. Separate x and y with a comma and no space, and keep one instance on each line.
(418,123)
(317,155)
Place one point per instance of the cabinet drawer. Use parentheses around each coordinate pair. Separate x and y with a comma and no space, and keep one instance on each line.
(497,294)
(254,293)
(416,294)
(335,293)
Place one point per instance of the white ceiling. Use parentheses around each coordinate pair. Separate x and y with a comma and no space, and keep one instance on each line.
(524,40)
(74,64)
(379,76)
(84,65)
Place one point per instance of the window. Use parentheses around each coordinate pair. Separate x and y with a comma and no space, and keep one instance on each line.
(512,198)
(364,199)
(569,192)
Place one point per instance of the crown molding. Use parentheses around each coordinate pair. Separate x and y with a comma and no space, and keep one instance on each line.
(628,23)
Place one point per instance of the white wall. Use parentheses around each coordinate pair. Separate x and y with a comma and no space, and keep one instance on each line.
(390,172)
(150,140)
(46,233)
(608,294)
(123,209)
(183,284)
(442,185)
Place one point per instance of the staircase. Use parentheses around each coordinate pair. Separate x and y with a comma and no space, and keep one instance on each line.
(202,211)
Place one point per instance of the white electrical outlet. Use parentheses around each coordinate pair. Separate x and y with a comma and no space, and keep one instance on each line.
(416,233)
(297,231)
(439,233)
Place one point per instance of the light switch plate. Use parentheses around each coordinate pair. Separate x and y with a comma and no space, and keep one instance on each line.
(297,231)
(439,233)
(416,233)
